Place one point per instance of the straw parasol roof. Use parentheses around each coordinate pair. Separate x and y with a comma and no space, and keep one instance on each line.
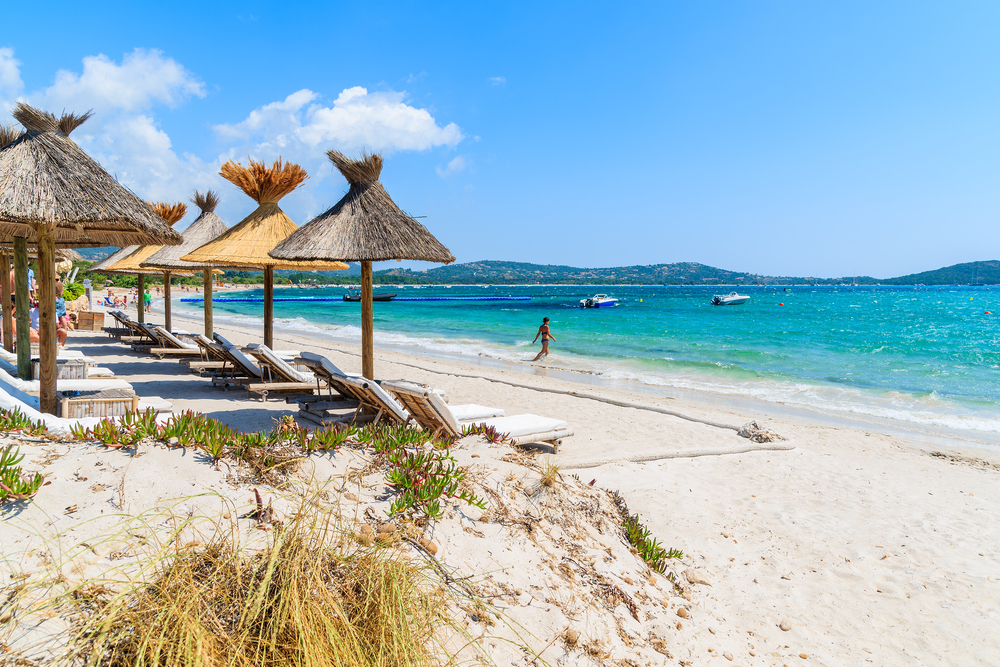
(105,264)
(206,227)
(46,179)
(365,225)
(62,254)
(131,263)
(247,244)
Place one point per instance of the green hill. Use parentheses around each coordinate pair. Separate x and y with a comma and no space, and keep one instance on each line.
(984,273)
(518,273)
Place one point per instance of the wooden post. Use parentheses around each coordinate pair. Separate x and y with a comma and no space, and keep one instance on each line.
(48,398)
(367,323)
(207,279)
(21,307)
(269,306)
(166,301)
(8,320)
(141,302)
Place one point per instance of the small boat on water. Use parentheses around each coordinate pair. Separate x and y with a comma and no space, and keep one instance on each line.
(356,297)
(599,301)
(731,299)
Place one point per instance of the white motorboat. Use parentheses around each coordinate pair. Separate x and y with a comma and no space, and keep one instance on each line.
(599,301)
(731,299)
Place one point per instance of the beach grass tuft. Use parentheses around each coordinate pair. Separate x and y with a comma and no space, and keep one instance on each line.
(550,474)
(305,598)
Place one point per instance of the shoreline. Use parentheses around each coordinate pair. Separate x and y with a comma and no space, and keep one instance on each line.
(924,437)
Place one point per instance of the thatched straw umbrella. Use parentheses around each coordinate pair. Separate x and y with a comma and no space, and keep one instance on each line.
(132,263)
(246,245)
(206,227)
(52,192)
(364,226)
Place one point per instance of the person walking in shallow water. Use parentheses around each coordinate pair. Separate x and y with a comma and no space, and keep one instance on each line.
(546,335)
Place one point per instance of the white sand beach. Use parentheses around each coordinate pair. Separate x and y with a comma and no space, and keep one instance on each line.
(836,546)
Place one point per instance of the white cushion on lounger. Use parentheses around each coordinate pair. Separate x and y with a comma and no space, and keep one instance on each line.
(277,362)
(527,424)
(248,365)
(327,365)
(155,402)
(221,340)
(457,413)
(99,372)
(384,400)
(62,354)
(471,412)
(32,386)
(183,344)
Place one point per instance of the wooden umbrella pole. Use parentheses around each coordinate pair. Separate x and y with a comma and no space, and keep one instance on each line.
(166,301)
(21,306)
(48,399)
(367,323)
(269,306)
(8,319)
(209,330)
(141,301)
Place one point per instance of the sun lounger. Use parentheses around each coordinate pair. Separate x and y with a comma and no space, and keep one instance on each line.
(287,355)
(211,360)
(241,369)
(327,407)
(172,345)
(434,415)
(136,330)
(276,375)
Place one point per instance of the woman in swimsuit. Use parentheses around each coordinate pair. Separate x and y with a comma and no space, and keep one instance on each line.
(546,335)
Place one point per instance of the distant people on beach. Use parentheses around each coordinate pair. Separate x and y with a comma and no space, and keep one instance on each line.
(147,301)
(546,335)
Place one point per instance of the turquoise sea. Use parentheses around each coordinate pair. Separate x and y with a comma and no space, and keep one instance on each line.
(920,357)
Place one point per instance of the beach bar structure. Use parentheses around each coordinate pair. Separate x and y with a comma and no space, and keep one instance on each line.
(52,193)
(364,226)
(246,245)
(207,226)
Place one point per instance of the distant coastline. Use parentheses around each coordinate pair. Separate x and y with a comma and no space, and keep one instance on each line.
(686,274)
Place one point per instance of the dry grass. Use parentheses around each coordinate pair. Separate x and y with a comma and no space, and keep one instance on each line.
(266,185)
(365,169)
(305,599)
(206,201)
(550,475)
(70,121)
(8,135)
(172,213)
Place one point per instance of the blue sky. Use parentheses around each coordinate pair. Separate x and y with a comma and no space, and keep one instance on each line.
(787,138)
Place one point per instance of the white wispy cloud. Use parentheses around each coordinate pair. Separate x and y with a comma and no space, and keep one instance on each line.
(126,137)
(497,80)
(380,121)
(144,78)
(457,164)
(10,75)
